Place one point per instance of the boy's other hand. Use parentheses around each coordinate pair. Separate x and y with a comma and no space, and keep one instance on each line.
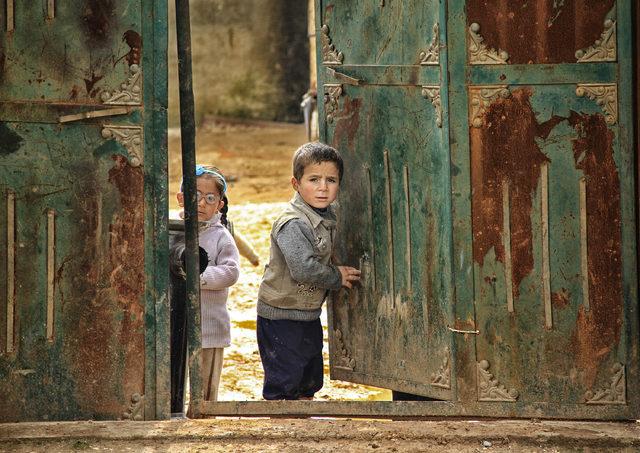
(349,275)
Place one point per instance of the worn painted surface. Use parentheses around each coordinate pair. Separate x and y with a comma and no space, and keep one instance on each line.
(395,206)
(573,145)
(532,258)
(565,272)
(102,287)
(530,31)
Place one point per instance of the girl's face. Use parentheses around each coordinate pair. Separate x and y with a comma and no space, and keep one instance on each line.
(209,199)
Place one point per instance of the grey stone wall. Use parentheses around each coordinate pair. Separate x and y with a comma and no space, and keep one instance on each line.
(250,58)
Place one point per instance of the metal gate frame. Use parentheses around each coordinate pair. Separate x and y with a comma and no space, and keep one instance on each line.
(434,409)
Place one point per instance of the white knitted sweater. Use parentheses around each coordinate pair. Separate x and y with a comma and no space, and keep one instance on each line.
(221,273)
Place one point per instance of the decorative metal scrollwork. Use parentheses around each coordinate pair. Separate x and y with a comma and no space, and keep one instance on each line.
(604,49)
(136,408)
(330,55)
(481,97)
(432,55)
(616,393)
(479,53)
(344,358)
(130,137)
(130,92)
(490,389)
(442,378)
(331,95)
(605,95)
(433,94)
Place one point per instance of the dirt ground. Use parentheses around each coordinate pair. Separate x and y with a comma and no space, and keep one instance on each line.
(321,435)
(256,157)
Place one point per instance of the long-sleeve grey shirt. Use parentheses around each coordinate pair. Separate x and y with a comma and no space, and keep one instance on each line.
(296,241)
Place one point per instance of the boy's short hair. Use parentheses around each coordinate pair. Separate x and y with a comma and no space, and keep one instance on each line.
(315,153)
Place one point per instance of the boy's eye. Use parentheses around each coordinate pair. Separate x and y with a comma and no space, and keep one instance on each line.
(331,180)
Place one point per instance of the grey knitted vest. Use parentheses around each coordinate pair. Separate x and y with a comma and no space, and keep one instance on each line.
(278,288)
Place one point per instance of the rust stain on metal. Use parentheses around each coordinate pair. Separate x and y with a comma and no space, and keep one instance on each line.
(506,149)
(539,31)
(89,84)
(105,300)
(88,311)
(414,75)
(73,94)
(134,41)
(347,122)
(126,251)
(560,299)
(598,330)
(98,18)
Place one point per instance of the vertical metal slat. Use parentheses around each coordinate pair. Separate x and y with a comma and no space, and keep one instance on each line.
(407,225)
(10,15)
(51,251)
(546,283)
(392,278)
(371,241)
(51,9)
(584,257)
(11,274)
(506,243)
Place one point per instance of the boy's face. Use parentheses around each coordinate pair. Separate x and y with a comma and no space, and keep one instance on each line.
(207,189)
(319,184)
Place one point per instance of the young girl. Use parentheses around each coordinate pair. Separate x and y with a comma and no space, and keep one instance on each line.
(221,272)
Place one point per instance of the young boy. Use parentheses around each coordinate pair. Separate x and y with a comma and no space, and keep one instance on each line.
(299,276)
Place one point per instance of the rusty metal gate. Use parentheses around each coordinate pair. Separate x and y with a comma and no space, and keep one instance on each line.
(489,200)
(83,318)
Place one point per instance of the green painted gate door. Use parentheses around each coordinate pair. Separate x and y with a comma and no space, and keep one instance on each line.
(83,322)
(381,73)
(489,199)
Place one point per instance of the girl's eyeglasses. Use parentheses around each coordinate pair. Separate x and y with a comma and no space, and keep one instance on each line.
(209,198)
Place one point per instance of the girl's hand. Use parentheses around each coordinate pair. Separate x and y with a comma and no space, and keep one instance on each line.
(349,275)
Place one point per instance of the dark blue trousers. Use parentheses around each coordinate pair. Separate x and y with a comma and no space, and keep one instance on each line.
(291,354)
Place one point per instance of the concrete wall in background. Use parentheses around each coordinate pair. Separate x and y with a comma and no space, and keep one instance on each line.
(250,59)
